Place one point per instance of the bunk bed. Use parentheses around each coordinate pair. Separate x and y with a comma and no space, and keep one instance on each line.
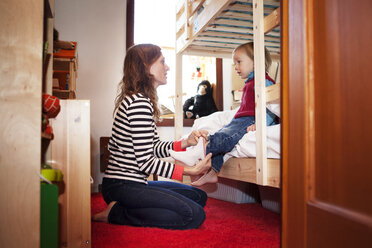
(214,28)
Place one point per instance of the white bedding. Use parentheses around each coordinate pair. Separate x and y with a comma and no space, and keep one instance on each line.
(247,145)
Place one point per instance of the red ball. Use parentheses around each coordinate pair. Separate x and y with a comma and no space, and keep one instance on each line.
(51,106)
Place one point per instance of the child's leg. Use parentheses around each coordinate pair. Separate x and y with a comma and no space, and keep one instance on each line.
(211,175)
(226,138)
(192,155)
(219,143)
(222,142)
(208,177)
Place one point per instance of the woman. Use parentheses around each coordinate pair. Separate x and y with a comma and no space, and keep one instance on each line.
(135,150)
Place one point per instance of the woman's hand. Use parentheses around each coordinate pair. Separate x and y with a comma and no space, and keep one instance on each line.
(251,128)
(200,168)
(193,138)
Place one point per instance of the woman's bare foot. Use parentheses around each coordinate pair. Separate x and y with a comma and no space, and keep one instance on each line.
(208,177)
(103,216)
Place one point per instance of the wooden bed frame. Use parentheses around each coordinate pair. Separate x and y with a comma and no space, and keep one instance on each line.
(214,28)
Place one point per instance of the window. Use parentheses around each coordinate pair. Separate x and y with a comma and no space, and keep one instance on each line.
(154,22)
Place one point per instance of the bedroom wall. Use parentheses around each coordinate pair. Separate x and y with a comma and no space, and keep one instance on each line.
(99,28)
(227,83)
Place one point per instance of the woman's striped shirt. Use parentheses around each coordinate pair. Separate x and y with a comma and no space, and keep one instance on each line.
(135,147)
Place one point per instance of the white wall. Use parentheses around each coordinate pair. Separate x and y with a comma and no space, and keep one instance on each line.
(99,27)
(227,83)
(168,134)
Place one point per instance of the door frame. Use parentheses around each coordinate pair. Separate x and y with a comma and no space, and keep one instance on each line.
(295,110)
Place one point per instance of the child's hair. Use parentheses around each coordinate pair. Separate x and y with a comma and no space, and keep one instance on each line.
(137,77)
(248,48)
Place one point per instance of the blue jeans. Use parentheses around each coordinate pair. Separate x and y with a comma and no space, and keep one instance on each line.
(224,140)
(160,204)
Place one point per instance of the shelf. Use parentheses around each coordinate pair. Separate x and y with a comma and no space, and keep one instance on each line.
(65,67)
(64,94)
(63,64)
(67,53)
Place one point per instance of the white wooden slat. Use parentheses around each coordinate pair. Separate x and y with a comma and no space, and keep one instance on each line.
(179,5)
(275,34)
(232,14)
(180,23)
(227,45)
(260,93)
(233,22)
(208,51)
(238,35)
(210,11)
(232,41)
(272,21)
(249,8)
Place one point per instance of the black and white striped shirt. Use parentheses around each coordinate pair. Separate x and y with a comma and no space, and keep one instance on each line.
(135,147)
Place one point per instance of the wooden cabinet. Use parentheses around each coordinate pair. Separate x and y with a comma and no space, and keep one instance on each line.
(71,155)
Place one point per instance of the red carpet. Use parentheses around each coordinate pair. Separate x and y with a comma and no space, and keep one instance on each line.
(227,225)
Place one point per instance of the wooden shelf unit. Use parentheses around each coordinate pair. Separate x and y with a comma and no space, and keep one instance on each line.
(71,155)
(65,66)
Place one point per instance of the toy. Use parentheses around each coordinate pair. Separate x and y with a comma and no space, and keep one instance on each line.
(202,104)
(51,108)
(51,105)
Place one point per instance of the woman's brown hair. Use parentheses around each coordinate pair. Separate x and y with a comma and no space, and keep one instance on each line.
(248,48)
(137,77)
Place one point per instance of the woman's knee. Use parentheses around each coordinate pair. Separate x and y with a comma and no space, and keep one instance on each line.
(197,219)
(203,197)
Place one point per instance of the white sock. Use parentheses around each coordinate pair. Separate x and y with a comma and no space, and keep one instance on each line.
(192,155)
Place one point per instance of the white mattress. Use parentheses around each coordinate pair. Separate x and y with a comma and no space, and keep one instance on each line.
(247,145)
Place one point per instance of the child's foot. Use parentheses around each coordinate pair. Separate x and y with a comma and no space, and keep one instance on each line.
(208,177)
(192,155)
(103,216)
(195,178)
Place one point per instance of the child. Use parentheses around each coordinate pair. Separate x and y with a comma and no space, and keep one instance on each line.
(226,138)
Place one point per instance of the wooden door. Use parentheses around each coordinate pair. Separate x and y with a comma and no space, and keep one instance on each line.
(327,117)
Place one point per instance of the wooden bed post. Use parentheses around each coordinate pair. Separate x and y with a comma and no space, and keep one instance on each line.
(260,93)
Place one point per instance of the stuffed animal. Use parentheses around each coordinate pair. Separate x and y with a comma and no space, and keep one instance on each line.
(202,104)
